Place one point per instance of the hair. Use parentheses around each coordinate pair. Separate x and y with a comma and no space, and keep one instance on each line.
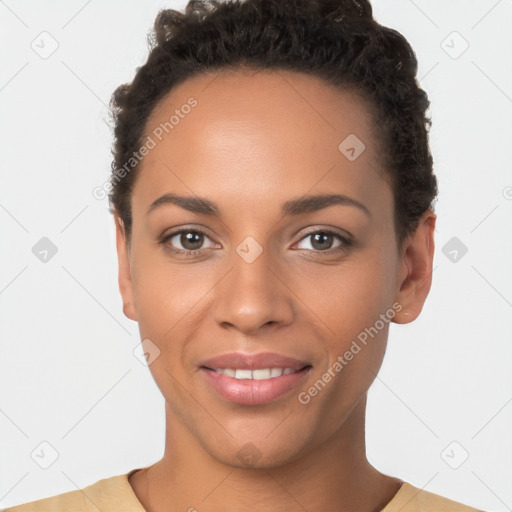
(335,40)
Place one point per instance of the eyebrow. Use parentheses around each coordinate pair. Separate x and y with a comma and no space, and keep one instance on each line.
(305,204)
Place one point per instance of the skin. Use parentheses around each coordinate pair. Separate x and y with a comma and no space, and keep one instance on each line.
(254,141)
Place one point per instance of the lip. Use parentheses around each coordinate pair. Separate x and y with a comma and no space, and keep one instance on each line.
(253,361)
(253,391)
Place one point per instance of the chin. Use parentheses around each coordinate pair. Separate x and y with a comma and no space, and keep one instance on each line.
(249,456)
(257,450)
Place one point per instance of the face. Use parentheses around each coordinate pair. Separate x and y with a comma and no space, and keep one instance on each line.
(272,271)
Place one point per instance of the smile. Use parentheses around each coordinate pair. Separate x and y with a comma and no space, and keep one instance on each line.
(254,387)
(259,374)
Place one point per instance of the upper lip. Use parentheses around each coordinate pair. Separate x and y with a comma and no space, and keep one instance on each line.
(257,361)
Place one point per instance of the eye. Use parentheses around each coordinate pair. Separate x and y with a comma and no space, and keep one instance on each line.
(322,240)
(191,241)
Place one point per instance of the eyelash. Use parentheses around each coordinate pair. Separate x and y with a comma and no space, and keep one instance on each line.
(346,243)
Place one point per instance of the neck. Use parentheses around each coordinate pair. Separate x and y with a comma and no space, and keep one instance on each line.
(333,476)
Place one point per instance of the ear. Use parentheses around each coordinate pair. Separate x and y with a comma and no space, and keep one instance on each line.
(125,278)
(415,269)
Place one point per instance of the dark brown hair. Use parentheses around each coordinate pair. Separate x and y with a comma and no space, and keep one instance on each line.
(336,40)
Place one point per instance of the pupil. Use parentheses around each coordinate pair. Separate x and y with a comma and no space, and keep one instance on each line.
(324,236)
(188,238)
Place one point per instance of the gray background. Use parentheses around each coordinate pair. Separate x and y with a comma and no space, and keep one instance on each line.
(68,375)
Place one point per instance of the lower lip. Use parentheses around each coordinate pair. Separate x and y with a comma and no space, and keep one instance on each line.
(252,391)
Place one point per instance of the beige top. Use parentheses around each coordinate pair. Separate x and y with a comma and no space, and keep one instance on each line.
(115,494)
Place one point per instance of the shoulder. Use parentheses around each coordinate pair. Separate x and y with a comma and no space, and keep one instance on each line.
(412,499)
(106,495)
(73,500)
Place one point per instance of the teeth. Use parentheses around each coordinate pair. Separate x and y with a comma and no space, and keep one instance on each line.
(263,373)
(243,374)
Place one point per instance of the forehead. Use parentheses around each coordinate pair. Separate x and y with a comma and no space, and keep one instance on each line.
(274,132)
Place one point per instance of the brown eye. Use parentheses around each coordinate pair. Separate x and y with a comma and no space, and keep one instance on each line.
(186,241)
(191,240)
(322,241)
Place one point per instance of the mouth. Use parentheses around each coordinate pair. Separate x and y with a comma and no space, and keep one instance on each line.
(257,374)
(253,379)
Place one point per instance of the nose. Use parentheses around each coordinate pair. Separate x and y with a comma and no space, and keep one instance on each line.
(253,295)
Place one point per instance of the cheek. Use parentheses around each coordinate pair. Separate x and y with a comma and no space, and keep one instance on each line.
(350,303)
(349,297)
(169,310)
(168,298)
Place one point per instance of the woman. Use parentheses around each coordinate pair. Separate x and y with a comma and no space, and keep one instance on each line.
(272,192)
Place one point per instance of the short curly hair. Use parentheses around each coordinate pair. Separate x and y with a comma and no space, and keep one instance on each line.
(336,40)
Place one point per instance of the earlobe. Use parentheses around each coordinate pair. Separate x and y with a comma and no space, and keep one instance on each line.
(128,310)
(415,272)
(124,276)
